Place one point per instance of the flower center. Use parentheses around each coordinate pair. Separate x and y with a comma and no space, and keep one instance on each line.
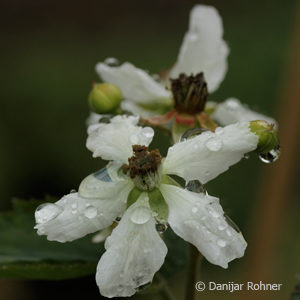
(190,93)
(144,167)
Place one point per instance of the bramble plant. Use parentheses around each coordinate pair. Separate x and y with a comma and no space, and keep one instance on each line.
(139,194)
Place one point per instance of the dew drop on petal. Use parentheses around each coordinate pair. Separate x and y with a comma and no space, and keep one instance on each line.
(74,205)
(194,209)
(214,144)
(72,191)
(213,213)
(232,104)
(190,133)
(195,186)
(222,227)
(161,228)
(219,131)
(228,232)
(90,212)
(221,243)
(112,62)
(270,156)
(148,132)
(74,211)
(47,212)
(140,215)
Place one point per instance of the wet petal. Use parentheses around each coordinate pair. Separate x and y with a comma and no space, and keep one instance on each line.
(232,111)
(203,48)
(113,141)
(209,154)
(199,219)
(136,84)
(78,216)
(134,252)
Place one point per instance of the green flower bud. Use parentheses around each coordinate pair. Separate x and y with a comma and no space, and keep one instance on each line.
(267,135)
(105,98)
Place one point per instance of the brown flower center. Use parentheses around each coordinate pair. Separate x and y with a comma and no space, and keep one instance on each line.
(190,93)
(142,162)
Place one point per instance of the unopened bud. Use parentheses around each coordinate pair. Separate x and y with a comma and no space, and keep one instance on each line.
(267,135)
(105,98)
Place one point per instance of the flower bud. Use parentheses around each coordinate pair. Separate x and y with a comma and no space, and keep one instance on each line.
(267,135)
(105,98)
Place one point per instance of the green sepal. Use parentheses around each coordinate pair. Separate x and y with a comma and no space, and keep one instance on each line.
(133,196)
(267,135)
(169,180)
(158,205)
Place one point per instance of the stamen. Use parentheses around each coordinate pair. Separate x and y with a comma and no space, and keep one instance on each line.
(142,162)
(190,93)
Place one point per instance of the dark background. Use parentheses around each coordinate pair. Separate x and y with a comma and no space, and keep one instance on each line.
(48,53)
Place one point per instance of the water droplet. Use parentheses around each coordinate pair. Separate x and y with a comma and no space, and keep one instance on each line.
(246,155)
(270,156)
(72,191)
(195,186)
(222,227)
(228,232)
(147,250)
(221,243)
(214,144)
(74,205)
(119,289)
(90,212)
(112,62)
(161,228)
(194,209)
(74,211)
(219,131)
(140,215)
(118,219)
(148,132)
(47,212)
(231,223)
(213,212)
(134,139)
(102,175)
(156,77)
(105,120)
(143,287)
(190,133)
(233,104)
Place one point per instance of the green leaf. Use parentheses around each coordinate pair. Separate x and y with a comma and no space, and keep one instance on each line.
(24,254)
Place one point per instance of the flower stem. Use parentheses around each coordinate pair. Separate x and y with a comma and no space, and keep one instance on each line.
(165,292)
(193,273)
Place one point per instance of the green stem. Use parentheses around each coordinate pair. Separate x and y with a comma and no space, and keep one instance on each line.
(193,273)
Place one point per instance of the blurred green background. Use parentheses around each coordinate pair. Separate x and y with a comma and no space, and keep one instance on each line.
(49,50)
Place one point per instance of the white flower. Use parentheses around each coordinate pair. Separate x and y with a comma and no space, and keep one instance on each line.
(134,250)
(203,50)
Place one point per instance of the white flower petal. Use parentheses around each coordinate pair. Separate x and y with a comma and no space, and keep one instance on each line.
(209,154)
(138,110)
(134,252)
(232,111)
(136,84)
(93,119)
(203,48)
(73,216)
(199,219)
(113,141)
